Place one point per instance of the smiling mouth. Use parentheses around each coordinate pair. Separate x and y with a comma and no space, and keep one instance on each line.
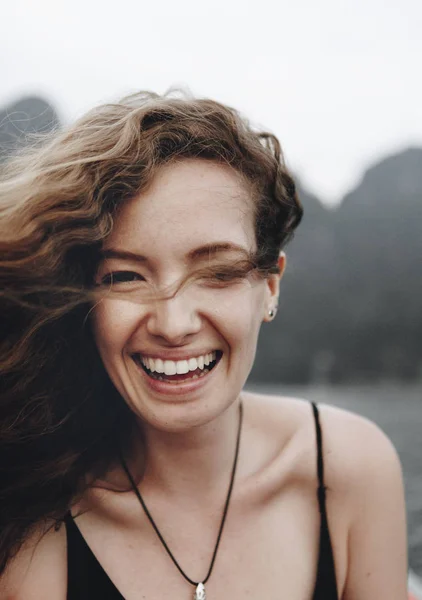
(179,377)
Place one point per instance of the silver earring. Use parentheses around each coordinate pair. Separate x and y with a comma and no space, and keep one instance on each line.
(271,313)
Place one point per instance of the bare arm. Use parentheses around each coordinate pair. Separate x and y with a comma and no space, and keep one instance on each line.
(377,541)
(39,570)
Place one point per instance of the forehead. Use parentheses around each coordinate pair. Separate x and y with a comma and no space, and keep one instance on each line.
(188,204)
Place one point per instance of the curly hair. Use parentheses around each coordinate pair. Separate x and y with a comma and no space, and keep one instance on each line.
(58,408)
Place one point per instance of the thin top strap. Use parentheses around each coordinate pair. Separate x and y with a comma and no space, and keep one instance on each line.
(326,584)
(320,460)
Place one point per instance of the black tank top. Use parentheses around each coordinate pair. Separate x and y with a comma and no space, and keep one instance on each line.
(87,580)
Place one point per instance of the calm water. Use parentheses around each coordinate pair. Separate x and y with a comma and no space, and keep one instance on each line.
(398,411)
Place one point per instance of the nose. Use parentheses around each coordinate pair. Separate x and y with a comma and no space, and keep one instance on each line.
(174,319)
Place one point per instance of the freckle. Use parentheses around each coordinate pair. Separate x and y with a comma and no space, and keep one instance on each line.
(368,574)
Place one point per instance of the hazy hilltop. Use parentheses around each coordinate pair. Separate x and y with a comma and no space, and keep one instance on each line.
(351,299)
(350,302)
(379,240)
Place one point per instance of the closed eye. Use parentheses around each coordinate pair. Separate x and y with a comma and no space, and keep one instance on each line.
(226,276)
(116,277)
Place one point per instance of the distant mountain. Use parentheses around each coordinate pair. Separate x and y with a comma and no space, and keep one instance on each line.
(351,300)
(21,120)
(379,241)
(387,181)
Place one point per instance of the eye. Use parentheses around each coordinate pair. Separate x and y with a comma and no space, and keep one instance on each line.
(225,277)
(116,277)
(221,276)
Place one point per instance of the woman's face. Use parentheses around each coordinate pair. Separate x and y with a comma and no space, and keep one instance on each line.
(196,215)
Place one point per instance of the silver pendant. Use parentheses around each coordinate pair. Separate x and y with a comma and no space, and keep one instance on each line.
(200,592)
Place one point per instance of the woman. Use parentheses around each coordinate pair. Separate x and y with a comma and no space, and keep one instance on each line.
(141,252)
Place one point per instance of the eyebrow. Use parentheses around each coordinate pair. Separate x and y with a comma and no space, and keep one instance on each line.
(212,249)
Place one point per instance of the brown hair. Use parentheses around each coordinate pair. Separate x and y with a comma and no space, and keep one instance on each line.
(58,408)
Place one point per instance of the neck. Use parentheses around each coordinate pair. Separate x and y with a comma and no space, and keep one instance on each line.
(195,463)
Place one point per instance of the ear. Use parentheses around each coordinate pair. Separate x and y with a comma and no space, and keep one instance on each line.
(273,288)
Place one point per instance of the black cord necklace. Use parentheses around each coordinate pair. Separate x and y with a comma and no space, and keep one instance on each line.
(199,585)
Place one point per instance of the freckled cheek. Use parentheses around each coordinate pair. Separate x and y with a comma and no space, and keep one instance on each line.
(240,332)
(113,323)
(239,319)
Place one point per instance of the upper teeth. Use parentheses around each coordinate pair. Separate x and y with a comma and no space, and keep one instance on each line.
(171,367)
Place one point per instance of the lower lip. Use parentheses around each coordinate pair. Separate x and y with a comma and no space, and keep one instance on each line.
(177,389)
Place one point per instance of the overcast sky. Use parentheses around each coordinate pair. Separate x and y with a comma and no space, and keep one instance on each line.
(339,81)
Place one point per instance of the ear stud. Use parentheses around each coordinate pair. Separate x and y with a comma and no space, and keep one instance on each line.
(272,311)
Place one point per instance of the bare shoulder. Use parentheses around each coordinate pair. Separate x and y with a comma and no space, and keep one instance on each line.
(364,472)
(356,452)
(363,478)
(39,569)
